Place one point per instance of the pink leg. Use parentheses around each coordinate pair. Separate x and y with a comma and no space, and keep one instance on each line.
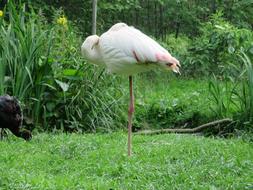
(130,114)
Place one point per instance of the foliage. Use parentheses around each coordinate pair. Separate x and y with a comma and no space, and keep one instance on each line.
(156,17)
(41,63)
(42,66)
(98,161)
(215,50)
(82,99)
(244,92)
(235,99)
(222,97)
(24,50)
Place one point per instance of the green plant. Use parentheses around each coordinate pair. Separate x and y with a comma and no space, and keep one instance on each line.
(217,48)
(236,97)
(245,91)
(24,51)
(41,65)
(85,97)
(221,95)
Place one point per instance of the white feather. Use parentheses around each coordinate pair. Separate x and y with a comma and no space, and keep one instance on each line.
(126,50)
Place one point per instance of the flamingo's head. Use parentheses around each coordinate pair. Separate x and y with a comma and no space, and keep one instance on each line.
(89,49)
(168,62)
(173,65)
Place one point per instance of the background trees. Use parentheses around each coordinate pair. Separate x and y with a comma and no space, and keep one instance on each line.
(156,17)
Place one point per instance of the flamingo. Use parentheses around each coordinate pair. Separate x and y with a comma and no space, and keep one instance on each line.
(125,50)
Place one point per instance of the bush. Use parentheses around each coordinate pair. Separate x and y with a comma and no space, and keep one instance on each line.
(215,50)
(41,65)
(24,55)
(236,99)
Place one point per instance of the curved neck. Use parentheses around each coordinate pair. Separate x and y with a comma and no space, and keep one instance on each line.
(94,56)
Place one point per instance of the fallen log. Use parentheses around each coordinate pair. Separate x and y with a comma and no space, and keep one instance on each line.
(184,130)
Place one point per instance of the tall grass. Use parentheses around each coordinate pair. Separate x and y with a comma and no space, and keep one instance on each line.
(92,101)
(236,98)
(24,51)
(41,66)
(245,92)
(222,97)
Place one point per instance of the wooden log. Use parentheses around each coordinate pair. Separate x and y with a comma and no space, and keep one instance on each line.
(182,130)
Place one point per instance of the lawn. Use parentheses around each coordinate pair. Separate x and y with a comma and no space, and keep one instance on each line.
(99,161)
(171,101)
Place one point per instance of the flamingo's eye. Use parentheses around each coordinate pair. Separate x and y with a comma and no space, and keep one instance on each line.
(169,64)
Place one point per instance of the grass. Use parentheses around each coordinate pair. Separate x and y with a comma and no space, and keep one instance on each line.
(165,101)
(174,91)
(99,161)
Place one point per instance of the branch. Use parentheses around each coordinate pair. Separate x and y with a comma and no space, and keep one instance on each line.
(178,130)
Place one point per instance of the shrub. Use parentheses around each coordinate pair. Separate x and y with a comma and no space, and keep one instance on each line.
(236,99)
(215,50)
(41,66)
(24,56)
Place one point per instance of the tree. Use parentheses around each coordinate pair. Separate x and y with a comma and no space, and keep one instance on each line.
(94,16)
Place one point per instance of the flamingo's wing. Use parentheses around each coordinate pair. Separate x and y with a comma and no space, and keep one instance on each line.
(131,43)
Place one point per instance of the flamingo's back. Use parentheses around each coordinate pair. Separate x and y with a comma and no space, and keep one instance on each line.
(126,50)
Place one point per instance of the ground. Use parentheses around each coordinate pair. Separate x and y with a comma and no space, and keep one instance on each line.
(99,161)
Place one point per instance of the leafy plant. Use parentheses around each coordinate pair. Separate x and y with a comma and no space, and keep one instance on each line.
(245,91)
(221,95)
(236,98)
(41,66)
(216,49)
(24,52)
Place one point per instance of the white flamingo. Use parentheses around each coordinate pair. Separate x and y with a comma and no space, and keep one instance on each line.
(125,50)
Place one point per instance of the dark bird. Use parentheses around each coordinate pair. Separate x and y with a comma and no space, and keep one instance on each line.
(11,117)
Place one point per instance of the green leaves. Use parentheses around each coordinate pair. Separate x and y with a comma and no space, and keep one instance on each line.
(24,53)
(217,48)
(251,50)
(73,74)
(231,49)
(236,97)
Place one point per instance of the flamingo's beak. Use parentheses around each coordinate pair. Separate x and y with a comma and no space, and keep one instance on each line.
(174,67)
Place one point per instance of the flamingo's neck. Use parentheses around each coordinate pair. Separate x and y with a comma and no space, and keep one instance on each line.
(93,55)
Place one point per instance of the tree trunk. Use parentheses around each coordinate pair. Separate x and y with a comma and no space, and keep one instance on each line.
(213,6)
(94,16)
(161,21)
(149,18)
(156,20)
(177,27)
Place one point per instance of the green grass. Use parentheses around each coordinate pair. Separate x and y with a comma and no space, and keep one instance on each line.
(174,91)
(166,101)
(99,161)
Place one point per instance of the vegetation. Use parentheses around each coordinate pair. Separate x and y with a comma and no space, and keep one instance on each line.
(42,66)
(48,76)
(156,17)
(62,96)
(99,161)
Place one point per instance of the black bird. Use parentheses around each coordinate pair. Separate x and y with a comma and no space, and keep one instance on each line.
(11,117)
